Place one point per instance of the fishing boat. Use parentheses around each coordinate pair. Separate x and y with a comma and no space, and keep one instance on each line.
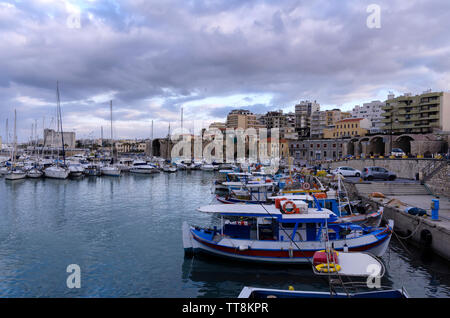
(251,193)
(281,233)
(301,184)
(93,170)
(261,293)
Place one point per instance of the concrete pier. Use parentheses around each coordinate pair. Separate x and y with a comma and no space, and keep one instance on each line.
(421,230)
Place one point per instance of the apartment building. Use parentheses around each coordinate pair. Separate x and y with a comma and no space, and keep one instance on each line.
(425,113)
(347,128)
(284,122)
(372,111)
(241,118)
(303,112)
(327,119)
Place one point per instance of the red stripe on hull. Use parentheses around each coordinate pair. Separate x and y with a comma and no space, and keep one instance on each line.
(279,253)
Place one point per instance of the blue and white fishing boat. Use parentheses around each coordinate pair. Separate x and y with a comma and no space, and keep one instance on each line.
(290,233)
(261,293)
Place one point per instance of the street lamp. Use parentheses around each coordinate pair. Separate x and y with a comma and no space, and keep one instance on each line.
(392,121)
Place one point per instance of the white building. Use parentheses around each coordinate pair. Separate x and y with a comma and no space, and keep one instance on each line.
(371,111)
(303,112)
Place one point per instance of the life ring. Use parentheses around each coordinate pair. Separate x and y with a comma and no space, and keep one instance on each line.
(337,253)
(306,186)
(289,181)
(294,207)
(332,267)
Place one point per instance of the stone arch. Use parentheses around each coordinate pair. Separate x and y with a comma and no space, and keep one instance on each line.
(403,142)
(376,146)
(156,148)
(362,146)
(351,146)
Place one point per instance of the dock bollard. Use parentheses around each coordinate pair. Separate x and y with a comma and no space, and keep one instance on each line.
(435,209)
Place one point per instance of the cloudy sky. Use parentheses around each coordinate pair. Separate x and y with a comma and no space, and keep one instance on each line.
(209,56)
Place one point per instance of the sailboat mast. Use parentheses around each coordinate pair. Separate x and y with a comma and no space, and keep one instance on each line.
(15,138)
(112,143)
(60,122)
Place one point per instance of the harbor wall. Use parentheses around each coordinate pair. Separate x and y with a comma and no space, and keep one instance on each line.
(421,231)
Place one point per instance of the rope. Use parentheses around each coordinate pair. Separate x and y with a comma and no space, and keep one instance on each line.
(412,233)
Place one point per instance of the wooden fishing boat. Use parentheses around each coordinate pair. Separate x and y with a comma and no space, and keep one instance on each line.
(290,233)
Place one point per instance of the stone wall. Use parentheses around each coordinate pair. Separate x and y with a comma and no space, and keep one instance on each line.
(403,168)
(440,183)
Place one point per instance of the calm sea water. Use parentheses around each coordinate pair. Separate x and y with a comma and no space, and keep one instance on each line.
(125,234)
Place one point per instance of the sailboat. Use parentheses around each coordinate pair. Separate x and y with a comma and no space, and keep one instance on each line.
(111,170)
(57,171)
(15,173)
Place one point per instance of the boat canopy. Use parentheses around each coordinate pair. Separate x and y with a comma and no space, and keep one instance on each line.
(249,185)
(270,211)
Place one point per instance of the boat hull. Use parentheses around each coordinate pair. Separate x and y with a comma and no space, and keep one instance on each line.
(280,252)
(15,176)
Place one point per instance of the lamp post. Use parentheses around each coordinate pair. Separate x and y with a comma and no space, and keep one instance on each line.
(392,132)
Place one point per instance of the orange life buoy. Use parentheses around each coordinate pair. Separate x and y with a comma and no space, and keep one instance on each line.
(289,211)
(289,181)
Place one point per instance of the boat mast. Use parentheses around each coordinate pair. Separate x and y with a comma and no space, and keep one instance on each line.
(60,123)
(15,139)
(112,143)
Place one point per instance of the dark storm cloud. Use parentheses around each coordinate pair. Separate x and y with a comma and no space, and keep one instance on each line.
(154,57)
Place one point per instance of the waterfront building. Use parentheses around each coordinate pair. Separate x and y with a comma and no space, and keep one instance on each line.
(320,149)
(349,127)
(372,111)
(303,112)
(425,113)
(52,139)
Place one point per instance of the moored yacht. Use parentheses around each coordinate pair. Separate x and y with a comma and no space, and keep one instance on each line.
(142,167)
(57,172)
(111,170)
(15,174)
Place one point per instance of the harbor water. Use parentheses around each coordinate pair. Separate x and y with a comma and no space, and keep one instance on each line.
(125,234)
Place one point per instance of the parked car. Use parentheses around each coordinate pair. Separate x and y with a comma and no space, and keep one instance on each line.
(347,172)
(370,173)
(397,152)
